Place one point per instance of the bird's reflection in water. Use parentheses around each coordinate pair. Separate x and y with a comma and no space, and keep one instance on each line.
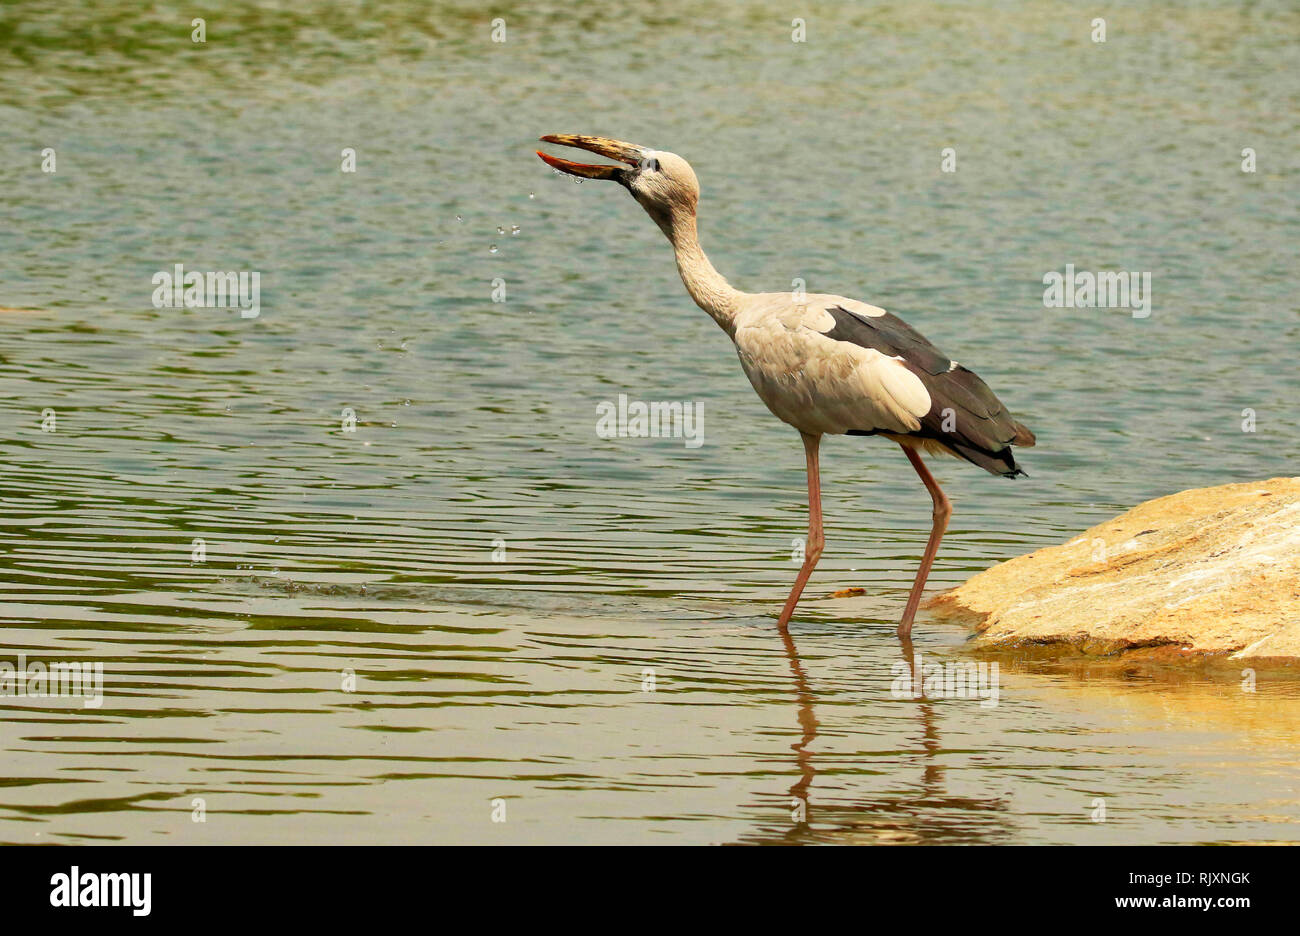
(800,807)
(926,814)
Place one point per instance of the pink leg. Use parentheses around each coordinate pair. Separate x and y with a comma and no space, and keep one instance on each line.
(942,511)
(815,541)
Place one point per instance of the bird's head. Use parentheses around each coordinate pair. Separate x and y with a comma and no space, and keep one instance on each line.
(663,183)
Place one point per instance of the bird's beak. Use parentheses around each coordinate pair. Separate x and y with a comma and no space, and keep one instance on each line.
(628,153)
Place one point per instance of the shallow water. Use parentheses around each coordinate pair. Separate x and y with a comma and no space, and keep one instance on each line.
(497,577)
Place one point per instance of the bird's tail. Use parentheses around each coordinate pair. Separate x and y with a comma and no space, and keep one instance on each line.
(999,463)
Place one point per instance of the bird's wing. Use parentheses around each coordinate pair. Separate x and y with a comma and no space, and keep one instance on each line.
(888,334)
(964,414)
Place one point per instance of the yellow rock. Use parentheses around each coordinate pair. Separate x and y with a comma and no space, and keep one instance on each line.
(1211,570)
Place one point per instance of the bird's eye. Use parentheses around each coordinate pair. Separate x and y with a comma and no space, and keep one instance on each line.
(650,165)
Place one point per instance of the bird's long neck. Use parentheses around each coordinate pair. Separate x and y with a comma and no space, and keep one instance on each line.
(707,286)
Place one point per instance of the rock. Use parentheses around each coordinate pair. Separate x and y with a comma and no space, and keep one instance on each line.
(1211,570)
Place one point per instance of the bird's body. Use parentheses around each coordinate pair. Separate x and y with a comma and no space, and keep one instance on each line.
(825,364)
(830,365)
(813,381)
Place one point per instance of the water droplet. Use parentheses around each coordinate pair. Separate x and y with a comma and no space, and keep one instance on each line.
(406,403)
(514,230)
(577,181)
(532,194)
(501,230)
(492,249)
(459,219)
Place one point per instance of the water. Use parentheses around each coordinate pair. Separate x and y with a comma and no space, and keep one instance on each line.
(503,585)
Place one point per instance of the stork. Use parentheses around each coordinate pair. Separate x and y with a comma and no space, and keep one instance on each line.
(822,363)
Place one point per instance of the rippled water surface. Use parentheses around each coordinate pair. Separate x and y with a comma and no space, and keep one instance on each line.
(580,628)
